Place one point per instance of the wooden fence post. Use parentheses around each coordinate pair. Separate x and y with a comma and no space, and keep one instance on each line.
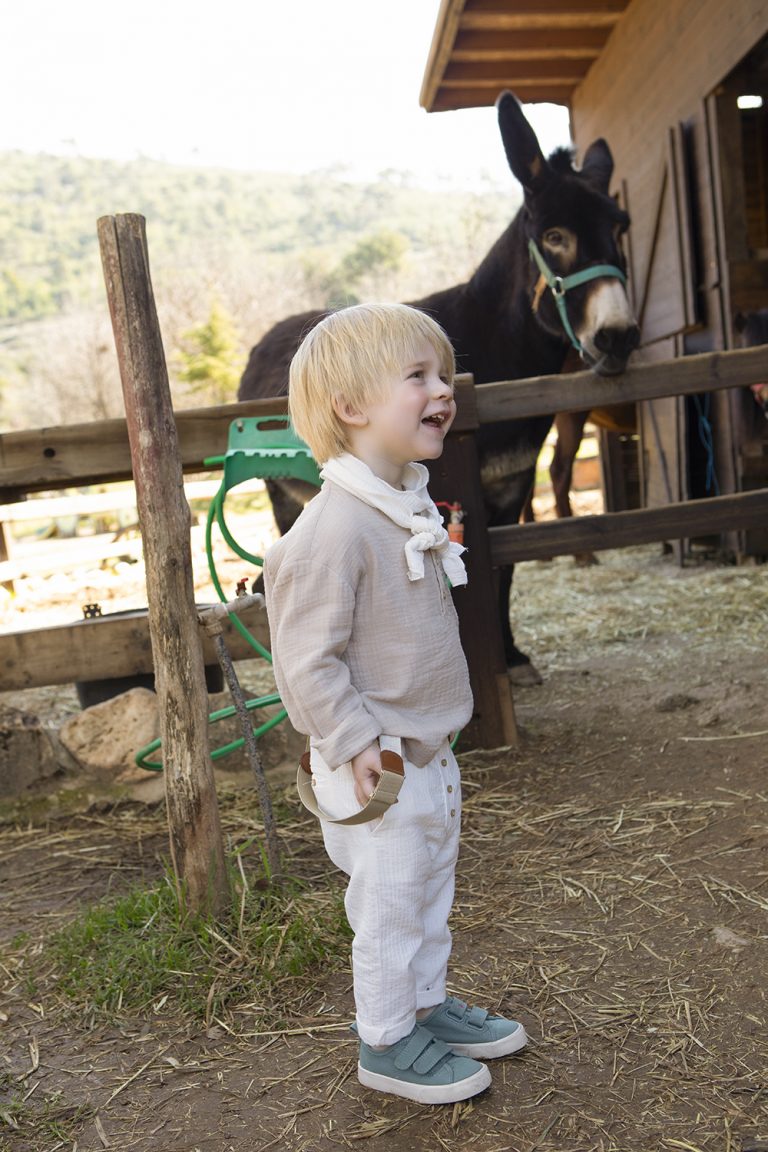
(197,848)
(457,473)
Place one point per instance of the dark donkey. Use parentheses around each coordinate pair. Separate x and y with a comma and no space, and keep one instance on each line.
(554,278)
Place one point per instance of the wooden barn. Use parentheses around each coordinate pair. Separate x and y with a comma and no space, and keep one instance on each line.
(679,88)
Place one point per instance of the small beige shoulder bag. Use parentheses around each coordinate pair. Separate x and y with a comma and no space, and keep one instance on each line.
(383,796)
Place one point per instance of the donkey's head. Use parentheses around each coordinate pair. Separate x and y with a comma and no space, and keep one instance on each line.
(573,229)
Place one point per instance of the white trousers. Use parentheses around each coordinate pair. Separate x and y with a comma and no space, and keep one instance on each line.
(401,871)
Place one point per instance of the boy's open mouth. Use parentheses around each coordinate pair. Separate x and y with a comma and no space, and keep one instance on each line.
(437,420)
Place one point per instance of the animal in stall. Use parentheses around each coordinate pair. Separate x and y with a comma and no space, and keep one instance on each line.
(569,429)
(569,426)
(555,278)
(753,330)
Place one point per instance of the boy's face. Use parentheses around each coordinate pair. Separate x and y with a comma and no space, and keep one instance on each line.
(410,422)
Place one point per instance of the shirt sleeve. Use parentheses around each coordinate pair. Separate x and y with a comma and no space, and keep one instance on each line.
(311,610)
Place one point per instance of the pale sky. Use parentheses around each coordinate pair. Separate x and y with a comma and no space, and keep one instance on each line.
(264,85)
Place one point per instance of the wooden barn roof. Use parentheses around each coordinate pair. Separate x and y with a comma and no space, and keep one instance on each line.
(541,49)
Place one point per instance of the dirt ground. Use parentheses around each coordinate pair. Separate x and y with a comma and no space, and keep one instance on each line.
(612,894)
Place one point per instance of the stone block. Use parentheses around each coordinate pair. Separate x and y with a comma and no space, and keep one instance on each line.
(105,738)
(27,752)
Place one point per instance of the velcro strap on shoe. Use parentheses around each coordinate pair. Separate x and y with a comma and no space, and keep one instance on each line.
(477,1017)
(421,1052)
(455,1008)
(431,1056)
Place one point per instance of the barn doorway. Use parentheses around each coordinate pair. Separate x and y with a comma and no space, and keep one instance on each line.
(738,116)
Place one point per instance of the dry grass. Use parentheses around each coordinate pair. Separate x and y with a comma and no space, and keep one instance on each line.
(612,893)
(564,612)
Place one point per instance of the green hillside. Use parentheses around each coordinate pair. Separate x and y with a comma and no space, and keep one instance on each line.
(233,249)
(49,206)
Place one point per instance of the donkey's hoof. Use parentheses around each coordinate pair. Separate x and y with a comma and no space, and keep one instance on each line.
(524,675)
(585,559)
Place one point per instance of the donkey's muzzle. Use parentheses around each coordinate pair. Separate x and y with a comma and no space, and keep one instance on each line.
(613,347)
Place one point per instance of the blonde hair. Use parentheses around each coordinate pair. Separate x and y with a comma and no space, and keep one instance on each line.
(349,356)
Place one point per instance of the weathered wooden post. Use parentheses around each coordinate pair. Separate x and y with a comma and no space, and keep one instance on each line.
(457,473)
(197,849)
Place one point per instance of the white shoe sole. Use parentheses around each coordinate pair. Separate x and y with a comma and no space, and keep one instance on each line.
(426,1093)
(507,1046)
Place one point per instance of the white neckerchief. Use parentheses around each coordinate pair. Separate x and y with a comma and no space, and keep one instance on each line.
(412,508)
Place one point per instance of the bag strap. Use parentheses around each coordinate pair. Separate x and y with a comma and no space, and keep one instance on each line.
(382,797)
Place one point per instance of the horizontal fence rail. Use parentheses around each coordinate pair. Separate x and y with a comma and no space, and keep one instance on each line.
(582,391)
(551,538)
(41,459)
(102,648)
(77,454)
(74,455)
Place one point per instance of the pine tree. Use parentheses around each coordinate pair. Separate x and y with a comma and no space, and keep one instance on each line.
(210,363)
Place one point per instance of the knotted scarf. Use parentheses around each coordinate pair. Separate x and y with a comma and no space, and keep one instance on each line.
(412,508)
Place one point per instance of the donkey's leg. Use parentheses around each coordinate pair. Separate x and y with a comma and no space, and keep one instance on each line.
(570,428)
(521,671)
(508,456)
(527,515)
(286,509)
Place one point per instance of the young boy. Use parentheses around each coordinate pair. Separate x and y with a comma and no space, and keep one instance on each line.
(367,658)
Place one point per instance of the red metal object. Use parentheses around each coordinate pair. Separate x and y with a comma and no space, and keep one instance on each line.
(455,525)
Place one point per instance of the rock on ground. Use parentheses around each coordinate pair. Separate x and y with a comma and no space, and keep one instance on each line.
(104,739)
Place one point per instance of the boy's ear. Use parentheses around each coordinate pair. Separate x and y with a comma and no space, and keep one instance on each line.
(348,413)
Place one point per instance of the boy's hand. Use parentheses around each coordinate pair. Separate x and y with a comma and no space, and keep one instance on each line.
(366,769)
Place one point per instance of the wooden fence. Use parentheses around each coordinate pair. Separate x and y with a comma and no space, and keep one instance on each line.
(50,555)
(543,395)
(46,459)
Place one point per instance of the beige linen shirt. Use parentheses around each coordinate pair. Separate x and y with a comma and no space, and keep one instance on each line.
(360,650)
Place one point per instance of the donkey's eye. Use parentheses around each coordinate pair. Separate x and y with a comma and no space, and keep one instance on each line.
(554,238)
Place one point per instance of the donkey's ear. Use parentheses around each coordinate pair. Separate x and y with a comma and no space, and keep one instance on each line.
(598,166)
(524,155)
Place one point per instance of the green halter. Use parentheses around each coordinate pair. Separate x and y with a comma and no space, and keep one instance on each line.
(559,285)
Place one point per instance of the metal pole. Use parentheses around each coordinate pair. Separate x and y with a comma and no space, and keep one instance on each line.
(212,620)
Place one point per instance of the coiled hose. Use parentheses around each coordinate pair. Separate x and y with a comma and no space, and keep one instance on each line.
(216,515)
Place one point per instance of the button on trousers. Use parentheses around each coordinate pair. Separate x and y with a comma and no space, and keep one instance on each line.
(401,871)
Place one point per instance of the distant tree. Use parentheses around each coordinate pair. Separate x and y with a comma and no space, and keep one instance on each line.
(62,371)
(22,299)
(263,245)
(381,252)
(371,259)
(209,360)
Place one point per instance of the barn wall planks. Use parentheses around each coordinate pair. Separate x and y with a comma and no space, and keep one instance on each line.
(663,95)
(659,64)
(657,69)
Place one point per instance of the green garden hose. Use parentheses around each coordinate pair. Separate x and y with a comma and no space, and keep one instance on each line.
(216,513)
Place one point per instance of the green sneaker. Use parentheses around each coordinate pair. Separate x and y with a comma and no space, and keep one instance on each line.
(421,1068)
(473,1032)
